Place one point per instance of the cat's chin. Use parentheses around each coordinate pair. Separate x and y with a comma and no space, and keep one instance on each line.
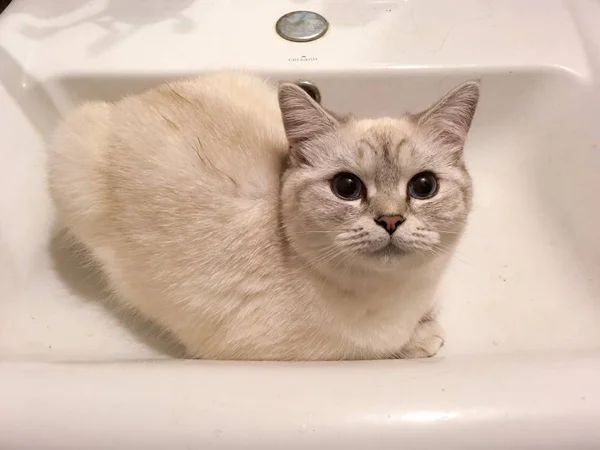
(387,256)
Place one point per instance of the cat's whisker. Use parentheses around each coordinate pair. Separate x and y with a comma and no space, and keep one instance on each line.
(452,252)
(431,230)
(325,255)
(347,266)
(468,230)
(308,233)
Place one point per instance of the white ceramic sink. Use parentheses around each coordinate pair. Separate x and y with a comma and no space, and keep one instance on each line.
(521,364)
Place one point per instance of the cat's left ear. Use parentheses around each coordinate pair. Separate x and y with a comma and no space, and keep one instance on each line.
(303,120)
(449,120)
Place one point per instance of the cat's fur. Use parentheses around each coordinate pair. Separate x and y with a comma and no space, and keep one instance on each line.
(215,217)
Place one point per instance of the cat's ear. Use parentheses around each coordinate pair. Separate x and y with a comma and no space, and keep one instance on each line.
(303,119)
(449,120)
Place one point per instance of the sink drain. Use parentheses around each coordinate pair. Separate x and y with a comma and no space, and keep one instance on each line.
(301,26)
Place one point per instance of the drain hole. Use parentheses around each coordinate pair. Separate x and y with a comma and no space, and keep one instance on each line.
(310,89)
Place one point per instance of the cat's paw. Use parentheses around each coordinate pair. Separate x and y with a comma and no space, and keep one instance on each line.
(425,342)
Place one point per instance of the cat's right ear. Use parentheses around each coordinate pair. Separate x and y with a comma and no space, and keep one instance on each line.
(303,120)
(449,120)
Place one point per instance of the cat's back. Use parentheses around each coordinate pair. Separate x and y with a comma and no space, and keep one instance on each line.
(189,161)
(213,139)
(222,130)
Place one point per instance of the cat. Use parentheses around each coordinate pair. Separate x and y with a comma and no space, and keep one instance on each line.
(253,224)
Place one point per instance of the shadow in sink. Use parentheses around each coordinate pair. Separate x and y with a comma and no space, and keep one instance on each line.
(74,264)
(118,19)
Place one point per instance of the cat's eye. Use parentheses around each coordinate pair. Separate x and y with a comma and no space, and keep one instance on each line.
(347,186)
(423,185)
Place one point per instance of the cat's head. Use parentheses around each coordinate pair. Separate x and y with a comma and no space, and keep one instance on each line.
(370,192)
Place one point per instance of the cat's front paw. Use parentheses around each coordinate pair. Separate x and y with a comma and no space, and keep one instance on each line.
(425,342)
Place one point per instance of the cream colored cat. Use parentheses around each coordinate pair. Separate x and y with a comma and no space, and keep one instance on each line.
(253,224)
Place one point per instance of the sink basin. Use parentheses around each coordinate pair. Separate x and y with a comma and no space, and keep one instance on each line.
(521,297)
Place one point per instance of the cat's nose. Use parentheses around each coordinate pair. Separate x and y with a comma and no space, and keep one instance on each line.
(390,223)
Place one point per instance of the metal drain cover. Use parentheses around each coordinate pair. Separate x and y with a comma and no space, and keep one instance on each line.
(301,26)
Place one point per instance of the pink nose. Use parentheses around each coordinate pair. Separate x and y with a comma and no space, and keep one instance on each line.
(389,223)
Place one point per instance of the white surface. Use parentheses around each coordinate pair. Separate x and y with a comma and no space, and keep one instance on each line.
(348,406)
(522,298)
